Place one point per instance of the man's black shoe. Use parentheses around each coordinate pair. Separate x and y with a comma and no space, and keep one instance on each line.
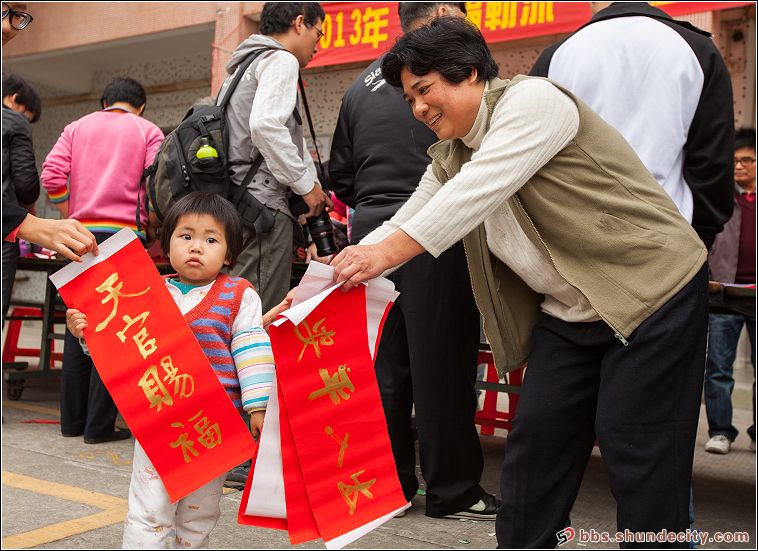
(484,509)
(117,434)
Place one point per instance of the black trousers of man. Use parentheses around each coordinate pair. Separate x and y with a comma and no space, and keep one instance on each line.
(641,402)
(86,405)
(427,356)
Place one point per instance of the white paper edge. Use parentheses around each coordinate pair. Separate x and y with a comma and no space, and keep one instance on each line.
(108,248)
(266,497)
(341,541)
(317,278)
(379,293)
(318,283)
(298,313)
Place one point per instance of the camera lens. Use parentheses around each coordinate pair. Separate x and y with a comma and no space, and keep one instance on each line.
(322,233)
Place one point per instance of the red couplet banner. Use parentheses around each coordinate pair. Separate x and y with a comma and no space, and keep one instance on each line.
(343,469)
(362,31)
(154,368)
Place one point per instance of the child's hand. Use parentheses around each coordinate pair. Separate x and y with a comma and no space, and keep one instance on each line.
(270,316)
(256,423)
(76,322)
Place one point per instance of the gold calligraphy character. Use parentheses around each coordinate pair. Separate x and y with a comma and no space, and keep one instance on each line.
(180,382)
(210,434)
(474,13)
(319,335)
(350,491)
(336,386)
(146,346)
(343,444)
(375,23)
(500,15)
(537,12)
(113,293)
(187,445)
(155,392)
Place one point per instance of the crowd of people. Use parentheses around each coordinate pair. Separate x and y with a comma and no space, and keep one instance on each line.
(582,238)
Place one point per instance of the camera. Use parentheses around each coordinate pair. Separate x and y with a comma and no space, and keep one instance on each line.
(320,227)
(322,234)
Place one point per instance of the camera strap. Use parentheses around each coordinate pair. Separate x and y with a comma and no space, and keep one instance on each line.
(322,174)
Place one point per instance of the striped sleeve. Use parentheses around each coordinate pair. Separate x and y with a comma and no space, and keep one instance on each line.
(254,360)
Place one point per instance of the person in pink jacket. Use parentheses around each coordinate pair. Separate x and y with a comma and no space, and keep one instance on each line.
(93,174)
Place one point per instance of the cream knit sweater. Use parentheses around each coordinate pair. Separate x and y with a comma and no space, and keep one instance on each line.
(529,126)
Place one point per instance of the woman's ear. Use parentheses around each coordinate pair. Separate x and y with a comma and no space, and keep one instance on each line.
(474,76)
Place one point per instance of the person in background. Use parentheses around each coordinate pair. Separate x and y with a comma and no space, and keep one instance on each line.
(671,99)
(15,19)
(93,174)
(263,117)
(21,106)
(378,156)
(732,260)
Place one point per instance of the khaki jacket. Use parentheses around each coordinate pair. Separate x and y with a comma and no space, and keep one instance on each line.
(602,220)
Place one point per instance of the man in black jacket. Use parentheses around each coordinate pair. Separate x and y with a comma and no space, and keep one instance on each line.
(428,352)
(21,106)
(663,84)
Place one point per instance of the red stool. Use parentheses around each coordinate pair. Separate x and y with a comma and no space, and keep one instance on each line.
(11,349)
(489,418)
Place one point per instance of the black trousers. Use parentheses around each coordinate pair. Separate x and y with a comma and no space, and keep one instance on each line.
(427,356)
(641,403)
(86,405)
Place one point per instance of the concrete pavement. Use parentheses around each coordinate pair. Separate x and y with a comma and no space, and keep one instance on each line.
(61,493)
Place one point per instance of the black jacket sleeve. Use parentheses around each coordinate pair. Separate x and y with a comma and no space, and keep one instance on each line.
(541,67)
(23,166)
(341,163)
(709,150)
(13,215)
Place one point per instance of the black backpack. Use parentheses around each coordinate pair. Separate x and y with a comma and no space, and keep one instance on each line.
(178,169)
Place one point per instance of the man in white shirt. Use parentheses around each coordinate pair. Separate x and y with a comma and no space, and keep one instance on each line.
(663,84)
(263,118)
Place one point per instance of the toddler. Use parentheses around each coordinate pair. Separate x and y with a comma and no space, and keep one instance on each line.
(202,233)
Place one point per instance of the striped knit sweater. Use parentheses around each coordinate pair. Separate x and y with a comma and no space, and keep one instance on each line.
(243,362)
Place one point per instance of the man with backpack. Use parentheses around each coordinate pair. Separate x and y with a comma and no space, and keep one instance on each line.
(265,129)
(93,174)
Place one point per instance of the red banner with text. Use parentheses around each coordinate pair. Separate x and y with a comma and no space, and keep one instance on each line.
(154,367)
(324,466)
(362,31)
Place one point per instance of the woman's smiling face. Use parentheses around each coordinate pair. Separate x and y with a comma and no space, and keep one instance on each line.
(447,108)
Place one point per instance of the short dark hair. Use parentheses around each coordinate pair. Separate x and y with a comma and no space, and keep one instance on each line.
(26,95)
(124,89)
(410,12)
(277,17)
(212,204)
(452,46)
(744,137)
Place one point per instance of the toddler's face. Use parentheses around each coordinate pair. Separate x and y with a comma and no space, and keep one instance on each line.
(198,249)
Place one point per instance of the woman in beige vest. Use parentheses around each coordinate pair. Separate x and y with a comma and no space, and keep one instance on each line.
(580,263)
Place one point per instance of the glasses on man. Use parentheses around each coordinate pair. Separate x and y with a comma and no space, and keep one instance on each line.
(19,20)
(319,31)
(744,161)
